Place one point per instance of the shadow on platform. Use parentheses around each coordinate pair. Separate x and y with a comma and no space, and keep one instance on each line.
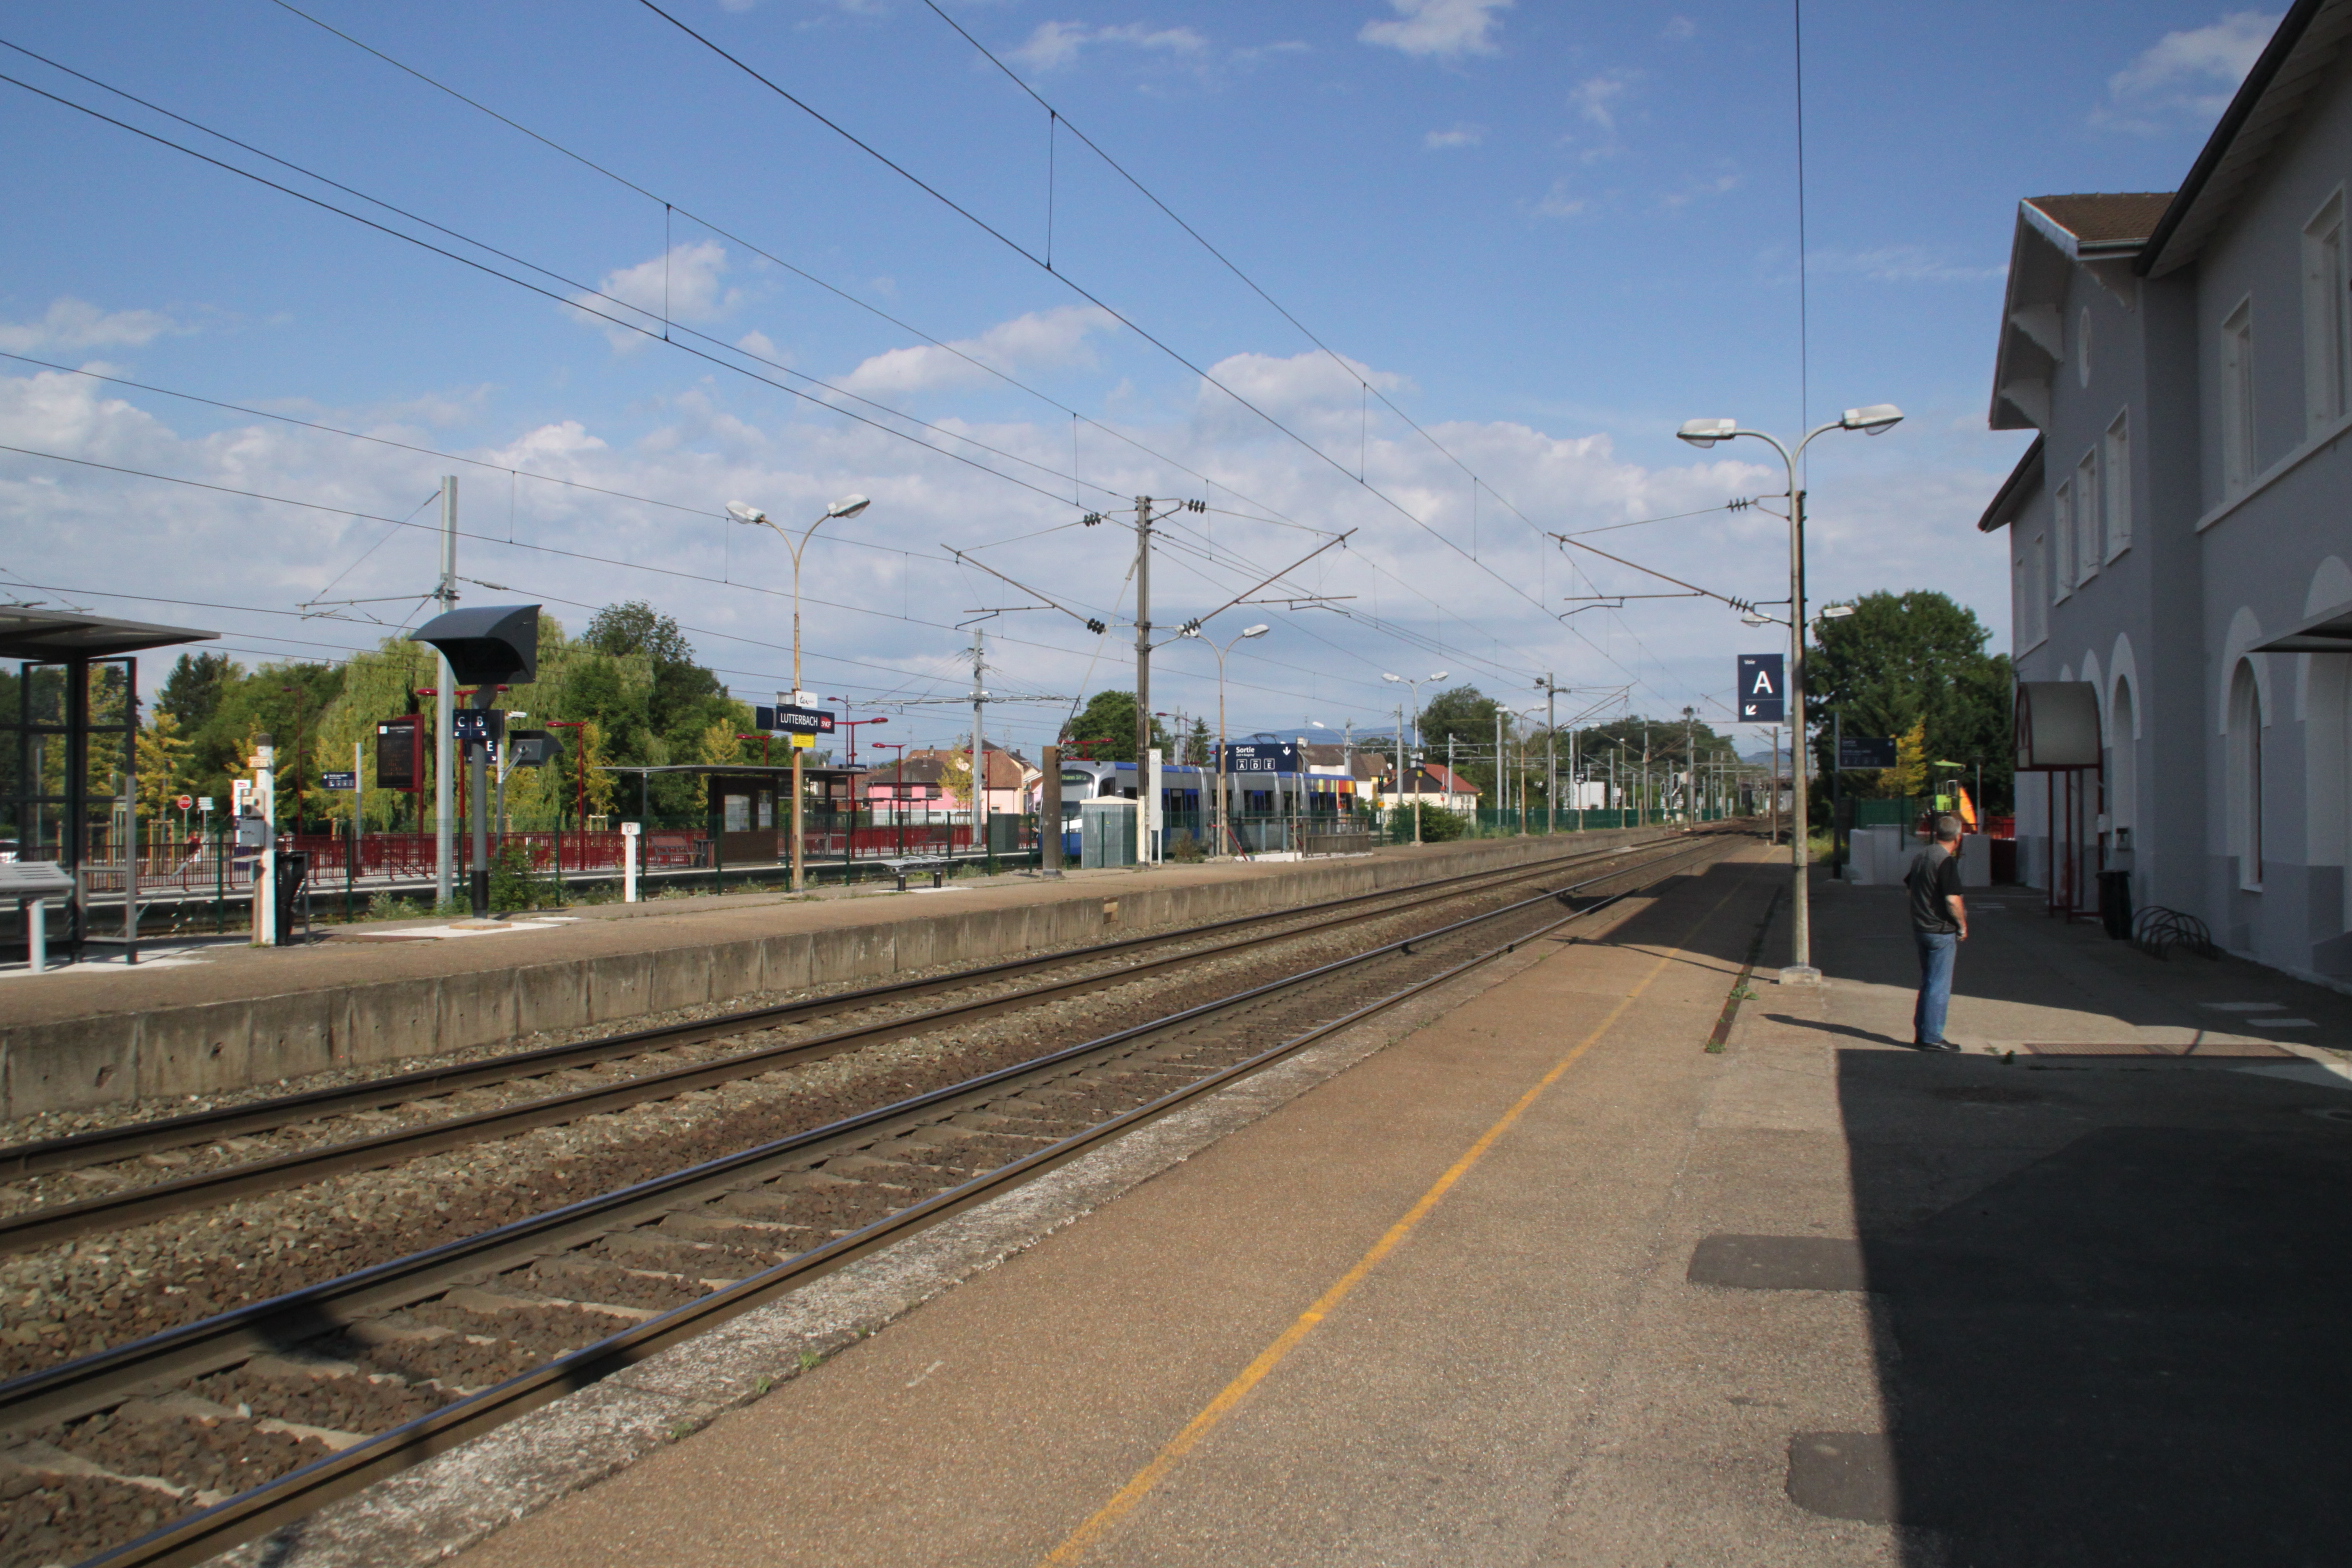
(2125,1342)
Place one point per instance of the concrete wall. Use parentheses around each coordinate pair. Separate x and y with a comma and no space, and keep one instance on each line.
(110,1058)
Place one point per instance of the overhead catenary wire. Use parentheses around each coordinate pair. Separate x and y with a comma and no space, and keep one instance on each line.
(1362,481)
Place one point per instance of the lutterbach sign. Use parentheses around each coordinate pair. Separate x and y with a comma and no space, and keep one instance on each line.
(1762,697)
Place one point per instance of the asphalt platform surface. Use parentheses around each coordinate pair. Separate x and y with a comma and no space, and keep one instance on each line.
(1548,1281)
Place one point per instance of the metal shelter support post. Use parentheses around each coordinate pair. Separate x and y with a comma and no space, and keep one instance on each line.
(1049,813)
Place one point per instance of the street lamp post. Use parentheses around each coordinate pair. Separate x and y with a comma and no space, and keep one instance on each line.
(744,512)
(1415,687)
(1873,420)
(1224,802)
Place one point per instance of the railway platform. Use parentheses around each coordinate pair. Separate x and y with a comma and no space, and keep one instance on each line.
(1548,1280)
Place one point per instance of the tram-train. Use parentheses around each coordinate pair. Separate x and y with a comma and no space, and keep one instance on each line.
(1189,790)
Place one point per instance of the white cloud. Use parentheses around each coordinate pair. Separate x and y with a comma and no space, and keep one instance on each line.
(2185,76)
(1889,506)
(71,323)
(1045,338)
(1595,100)
(1559,201)
(1902,264)
(1057,44)
(1438,29)
(1679,29)
(762,346)
(685,285)
(1459,136)
(1700,190)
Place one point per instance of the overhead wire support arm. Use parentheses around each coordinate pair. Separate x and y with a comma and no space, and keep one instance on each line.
(1243,597)
(1691,588)
(1092,623)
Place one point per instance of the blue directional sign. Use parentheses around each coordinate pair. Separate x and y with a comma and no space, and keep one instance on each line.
(1261,757)
(1763,698)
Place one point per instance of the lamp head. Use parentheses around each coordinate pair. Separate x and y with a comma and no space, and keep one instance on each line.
(1384,675)
(745,512)
(1706,432)
(1755,618)
(848,506)
(1875,418)
(1836,612)
(1256,631)
(1439,676)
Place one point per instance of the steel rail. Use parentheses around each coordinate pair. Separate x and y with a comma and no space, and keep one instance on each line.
(106,1145)
(40,1227)
(91,1382)
(319,1309)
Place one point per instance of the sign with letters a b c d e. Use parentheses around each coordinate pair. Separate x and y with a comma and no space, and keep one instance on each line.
(1761,693)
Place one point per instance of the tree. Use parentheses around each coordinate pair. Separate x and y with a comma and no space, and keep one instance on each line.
(1905,660)
(634,629)
(192,692)
(1199,747)
(1467,717)
(1109,719)
(1908,777)
(163,759)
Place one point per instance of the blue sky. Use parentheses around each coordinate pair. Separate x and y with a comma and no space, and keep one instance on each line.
(1546,234)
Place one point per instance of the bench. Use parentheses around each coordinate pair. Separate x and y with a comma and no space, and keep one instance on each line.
(900,868)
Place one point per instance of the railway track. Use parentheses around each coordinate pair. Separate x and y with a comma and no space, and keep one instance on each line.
(327,1132)
(223,1429)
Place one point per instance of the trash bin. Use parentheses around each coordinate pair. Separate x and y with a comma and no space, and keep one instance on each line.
(2115,911)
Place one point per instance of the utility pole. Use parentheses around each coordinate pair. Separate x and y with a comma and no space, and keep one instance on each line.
(1551,691)
(1143,624)
(445,710)
(980,754)
(1690,778)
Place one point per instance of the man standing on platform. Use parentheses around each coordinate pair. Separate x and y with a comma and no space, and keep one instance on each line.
(1939,924)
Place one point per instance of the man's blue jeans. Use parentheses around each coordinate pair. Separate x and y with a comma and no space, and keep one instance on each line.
(1937,949)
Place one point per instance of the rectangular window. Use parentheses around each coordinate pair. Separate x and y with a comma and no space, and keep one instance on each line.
(2062,530)
(2324,317)
(2089,523)
(2237,399)
(2029,591)
(2116,491)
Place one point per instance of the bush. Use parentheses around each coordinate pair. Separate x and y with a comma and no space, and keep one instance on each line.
(1186,849)
(1438,825)
(515,882)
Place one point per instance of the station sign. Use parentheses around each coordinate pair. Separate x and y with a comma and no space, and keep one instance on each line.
(339,781)
(477,724)
(1761,690)
(794,721)
(1261,756)
(1859,752)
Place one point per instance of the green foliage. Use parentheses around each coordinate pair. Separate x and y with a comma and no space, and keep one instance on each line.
(1907,660)
(516,882)
(192,692)
(1438,825)
(1183,848)
(1200,747)
(1109,719)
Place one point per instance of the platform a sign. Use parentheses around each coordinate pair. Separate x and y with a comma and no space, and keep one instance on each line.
(1763,699)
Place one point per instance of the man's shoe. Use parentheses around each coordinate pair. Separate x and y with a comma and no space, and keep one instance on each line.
(1935,1045)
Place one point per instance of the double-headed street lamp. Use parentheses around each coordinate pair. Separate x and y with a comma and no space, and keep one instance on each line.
(745,512)
(1223,804)
(1874,420)
(1415,686)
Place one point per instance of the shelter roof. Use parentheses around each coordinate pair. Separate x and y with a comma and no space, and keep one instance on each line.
(28,633)
(2023,483)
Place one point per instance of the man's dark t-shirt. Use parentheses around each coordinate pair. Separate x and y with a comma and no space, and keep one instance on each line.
(1934,876)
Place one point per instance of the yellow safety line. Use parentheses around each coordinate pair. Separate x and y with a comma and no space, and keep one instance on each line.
(1129,1496)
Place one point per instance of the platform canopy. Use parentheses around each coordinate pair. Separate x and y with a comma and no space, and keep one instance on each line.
(54,634)
(2330,631)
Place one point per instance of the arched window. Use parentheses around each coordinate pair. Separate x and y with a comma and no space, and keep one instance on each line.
(2245,775)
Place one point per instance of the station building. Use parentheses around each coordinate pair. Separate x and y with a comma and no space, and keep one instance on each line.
(2180,529)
